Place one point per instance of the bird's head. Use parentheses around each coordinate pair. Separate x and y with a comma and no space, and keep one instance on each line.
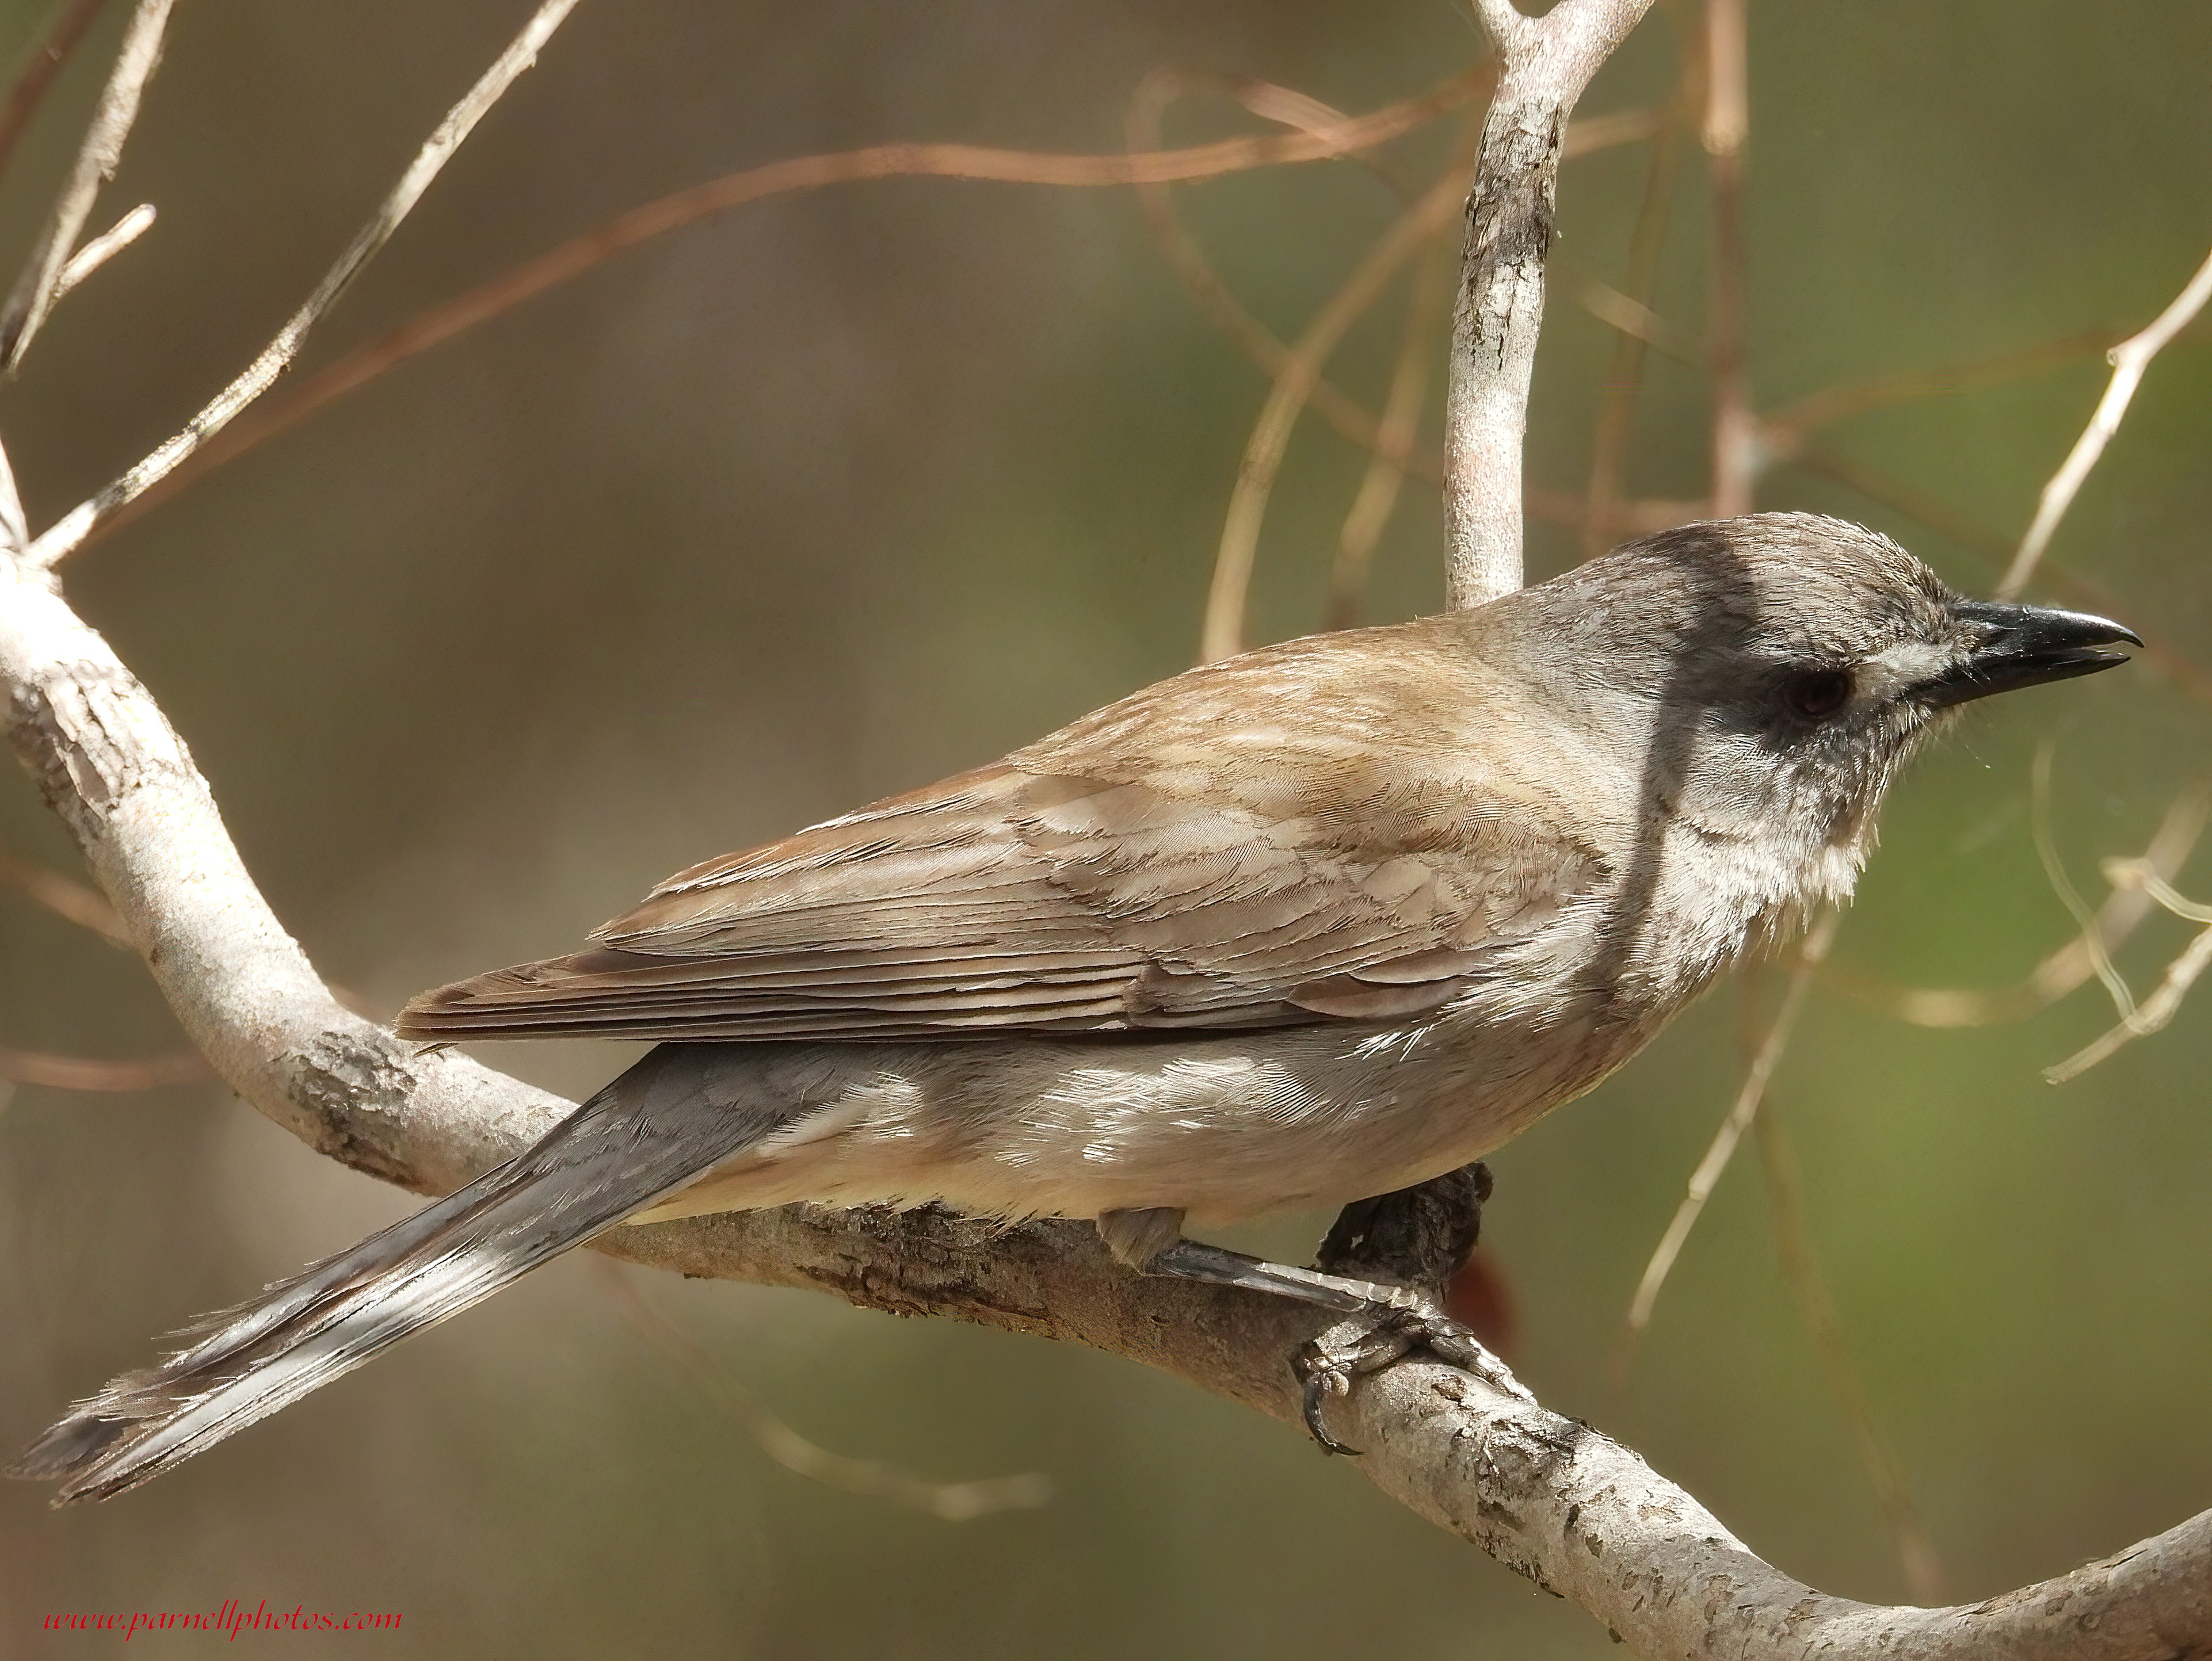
(1766,676)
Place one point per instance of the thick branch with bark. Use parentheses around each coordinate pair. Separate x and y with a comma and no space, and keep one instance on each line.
(1547,61)
(1556,1501)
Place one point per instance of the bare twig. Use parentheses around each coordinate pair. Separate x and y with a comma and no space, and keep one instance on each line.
(1223,633)
(64,537)
(38,285)
(1623,376)
(1380,485)
(580,253)
(2073,964)
(2156,1011)
(1816,1307)
(103,247)
(2128,361)
(1723,1149)
(1548,63)
(1638,324)
(81,1073)
(1781,431)
(2054,871)
(951,1502)
(64,896)
(1727,125)
(40,65)
(2144,876)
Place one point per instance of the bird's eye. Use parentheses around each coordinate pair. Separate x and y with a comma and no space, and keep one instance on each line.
(1818,692)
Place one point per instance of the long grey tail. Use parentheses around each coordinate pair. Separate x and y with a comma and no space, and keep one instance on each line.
(661,1123)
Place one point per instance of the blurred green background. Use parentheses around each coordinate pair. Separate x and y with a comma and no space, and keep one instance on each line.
(825,498)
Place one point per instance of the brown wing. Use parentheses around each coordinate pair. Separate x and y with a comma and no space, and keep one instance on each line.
(1076,888)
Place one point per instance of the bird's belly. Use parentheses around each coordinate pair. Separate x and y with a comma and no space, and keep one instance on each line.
(1225,1129)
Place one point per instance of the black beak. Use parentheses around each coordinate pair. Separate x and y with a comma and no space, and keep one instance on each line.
(2024,645)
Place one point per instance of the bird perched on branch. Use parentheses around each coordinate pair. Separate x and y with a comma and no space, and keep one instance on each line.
(1299,928)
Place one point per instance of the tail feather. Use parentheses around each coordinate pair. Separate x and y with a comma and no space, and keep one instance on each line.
(649,1133)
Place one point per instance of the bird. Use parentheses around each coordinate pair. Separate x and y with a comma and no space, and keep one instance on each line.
(1294,929)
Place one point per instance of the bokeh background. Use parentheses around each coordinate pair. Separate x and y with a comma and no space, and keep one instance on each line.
(826,497)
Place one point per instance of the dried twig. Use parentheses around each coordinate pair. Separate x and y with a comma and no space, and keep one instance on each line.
(1547,61)
(103,247)
(41,64)
(1745,1108)
(951,1502)
(2065,970)
(1175,245)
(64,537)
(1623,376)
(2054,871)
(580,253)
(1223,633)
(2173,986)
(2128,361)
(40,284)
(1816,1307)
(1781,431)
(81,1073)
(1727,125)
(1380,485)
(64,896)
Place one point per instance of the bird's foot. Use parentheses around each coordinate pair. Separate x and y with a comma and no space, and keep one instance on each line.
(1326,1366)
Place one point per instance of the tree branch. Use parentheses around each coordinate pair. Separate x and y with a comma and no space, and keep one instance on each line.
(39,285)
(58,543)
(1510,212)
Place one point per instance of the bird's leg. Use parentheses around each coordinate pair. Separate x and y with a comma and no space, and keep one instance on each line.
(1422,1236)
(1424,1231)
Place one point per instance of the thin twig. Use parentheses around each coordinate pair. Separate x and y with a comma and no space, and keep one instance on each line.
(1638,324)
(37,286)
(2144,874)
(953,1503)
(1816,1307)
(580,253)
(103,247)
(277,356)
(1380,486)
(1616,416)
(2054,869)
(2073,964)
(64,896)
(1740,1116)
(1727,125)
(2157,1010)
(1223,633)
(40,65)
(81,1073)
(2128,361)
(1781,431)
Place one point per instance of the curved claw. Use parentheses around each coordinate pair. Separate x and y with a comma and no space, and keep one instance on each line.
(1324,1375)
